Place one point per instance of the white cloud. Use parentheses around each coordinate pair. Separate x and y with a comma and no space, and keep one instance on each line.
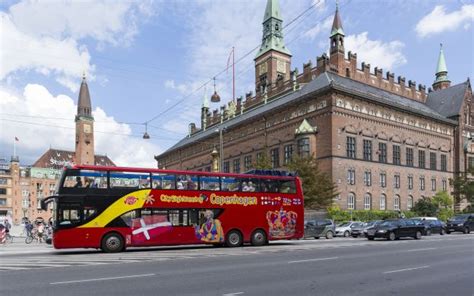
(385,55)
(44,36)
(438,21)
(322,27)
(40,126)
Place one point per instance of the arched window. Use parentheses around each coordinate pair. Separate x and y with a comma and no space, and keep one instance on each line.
(396,202)
(367,201)
(383,201)
(351,201)
(410,203)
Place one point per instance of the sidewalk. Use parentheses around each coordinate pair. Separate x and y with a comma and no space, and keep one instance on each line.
(18,246)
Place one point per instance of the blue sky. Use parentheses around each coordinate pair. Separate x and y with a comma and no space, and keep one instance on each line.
(143,57)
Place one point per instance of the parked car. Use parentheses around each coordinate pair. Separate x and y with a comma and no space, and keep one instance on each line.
(395,229)
(344,229)
(319,227)
(369,225)
(357,230)
(463,223)
(431,225)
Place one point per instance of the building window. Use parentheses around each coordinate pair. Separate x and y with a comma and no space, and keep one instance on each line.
(383,180)
(368,150)
(410,202)
(351,176)
(236,164)
(396,181)
(226,167)
(444,163)
(3,201)
(275,157)
(409,157)
(288,150)
(382,152)
(351,147)
(421,159)
(470,162)
(368,178)
(396,203)
(410,182)
(383,201)
(208,169)
(303,147)
(433,160)
(444,184)
(422,183)
(433,184)
(259,156)
(367,201)
(248,162)
(351,201)
(396,154)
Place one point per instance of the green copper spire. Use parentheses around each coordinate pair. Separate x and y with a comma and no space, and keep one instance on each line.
(337,23)
(205,102)
(272,30)
(441,69)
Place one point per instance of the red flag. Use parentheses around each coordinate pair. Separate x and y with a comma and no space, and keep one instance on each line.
(16,139)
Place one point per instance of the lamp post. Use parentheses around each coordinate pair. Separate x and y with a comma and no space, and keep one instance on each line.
(221,150)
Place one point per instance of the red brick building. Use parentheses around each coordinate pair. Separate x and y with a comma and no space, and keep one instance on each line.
(384,142)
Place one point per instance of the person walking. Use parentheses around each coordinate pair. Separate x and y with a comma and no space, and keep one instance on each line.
(40,232)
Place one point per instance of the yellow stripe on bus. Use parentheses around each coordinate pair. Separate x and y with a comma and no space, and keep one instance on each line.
(129,202)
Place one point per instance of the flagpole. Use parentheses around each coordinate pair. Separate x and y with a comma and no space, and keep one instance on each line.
(233,74)
(14,148)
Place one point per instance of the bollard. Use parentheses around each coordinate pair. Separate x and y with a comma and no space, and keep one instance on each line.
(3,236)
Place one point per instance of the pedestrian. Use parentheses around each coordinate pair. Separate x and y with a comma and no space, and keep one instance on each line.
(7,226)
(40,232)
(28,228)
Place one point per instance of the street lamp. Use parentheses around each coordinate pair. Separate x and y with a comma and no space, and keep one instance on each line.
(146,136)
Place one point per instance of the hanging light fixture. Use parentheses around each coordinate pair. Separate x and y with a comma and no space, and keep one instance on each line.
(146,136)
(215,97)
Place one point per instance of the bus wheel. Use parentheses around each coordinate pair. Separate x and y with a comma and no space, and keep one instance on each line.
(112,243)
(234,239)
(259,238)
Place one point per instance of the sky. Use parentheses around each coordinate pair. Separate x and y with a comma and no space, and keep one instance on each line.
(149,64)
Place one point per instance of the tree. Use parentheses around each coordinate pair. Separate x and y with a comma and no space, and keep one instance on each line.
(464,186)
(263,163)
(425,207)
(442,200)
(318,189)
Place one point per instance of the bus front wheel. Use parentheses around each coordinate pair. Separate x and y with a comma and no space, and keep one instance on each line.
(234,239)
(259,238)
(112,243)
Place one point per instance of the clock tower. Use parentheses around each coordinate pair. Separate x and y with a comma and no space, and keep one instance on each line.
(273,60)
(84,127)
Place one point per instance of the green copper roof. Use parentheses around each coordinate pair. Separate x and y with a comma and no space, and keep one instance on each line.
(272,10)
(441,69)
(337,24)
(305,128)
(272,30)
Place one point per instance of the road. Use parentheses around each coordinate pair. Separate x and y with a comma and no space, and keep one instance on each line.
(435,265)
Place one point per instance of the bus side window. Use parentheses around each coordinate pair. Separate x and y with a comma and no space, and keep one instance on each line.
(209,183)
(230,184)
(287,186)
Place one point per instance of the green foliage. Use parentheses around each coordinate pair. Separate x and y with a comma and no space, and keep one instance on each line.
(442,200)
(464,186)
(445,214)
(425,207)
(263,163)
(318,188)
(338,215)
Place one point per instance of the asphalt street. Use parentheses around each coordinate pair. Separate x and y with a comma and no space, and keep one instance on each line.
(435,265)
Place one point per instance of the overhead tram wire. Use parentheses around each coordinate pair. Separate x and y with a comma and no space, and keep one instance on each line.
(225,69)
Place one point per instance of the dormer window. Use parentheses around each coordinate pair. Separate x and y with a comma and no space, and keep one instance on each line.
(276,27)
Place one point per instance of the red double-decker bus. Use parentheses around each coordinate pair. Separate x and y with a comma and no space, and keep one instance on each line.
(113,208)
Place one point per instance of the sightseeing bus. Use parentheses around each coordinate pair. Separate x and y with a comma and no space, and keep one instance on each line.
(112,208)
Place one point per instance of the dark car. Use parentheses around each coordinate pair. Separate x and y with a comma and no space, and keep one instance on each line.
(369,225)
(395,229)
(319,227)
(463,223)
(431,226)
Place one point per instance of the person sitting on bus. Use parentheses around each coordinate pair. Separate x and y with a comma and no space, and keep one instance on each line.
(78,182)
(179,185)
(245,187)
(251,187)
(157,184)
(88,183)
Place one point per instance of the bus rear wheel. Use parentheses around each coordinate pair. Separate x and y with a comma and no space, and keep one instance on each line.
(259,238)
(234,239)
(112,243)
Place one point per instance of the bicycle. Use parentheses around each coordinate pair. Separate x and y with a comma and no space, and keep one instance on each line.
(33,235)
(8,238)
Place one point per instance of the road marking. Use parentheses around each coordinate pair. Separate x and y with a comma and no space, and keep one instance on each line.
(232,294)
(406,269)
(415,250)
(312,260)
(103,279)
